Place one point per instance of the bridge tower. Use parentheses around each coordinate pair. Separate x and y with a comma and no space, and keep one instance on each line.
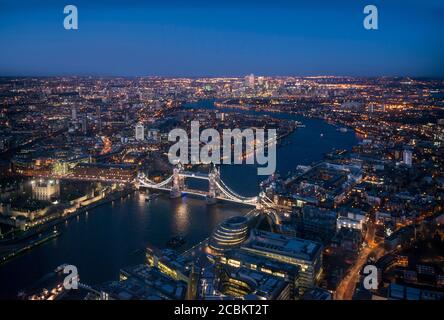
(140,175)
(259,204)
(213,192)
(177,182)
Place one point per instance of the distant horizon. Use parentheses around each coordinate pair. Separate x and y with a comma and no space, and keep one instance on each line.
(222,38)
(223,76)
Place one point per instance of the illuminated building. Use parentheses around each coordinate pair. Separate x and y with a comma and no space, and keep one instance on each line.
(99,118)
(74,113)
(45,189)
(84,125)
(303,253)
(111,172)
(229,234)
(153,134)
(278,269)
(192,283)
(249,80)
(141,282)
(326,183)
(250,284)
(260,80)
(407,157)
(169,262)
(355,219)
(140,135)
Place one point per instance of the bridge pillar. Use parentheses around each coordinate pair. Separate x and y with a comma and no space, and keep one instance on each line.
(212,187)
(178,184)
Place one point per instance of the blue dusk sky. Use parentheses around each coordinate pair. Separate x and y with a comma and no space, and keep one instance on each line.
(222,38)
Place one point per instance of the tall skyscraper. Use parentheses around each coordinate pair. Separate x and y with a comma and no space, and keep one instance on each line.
(140,132)
(260,81)
(74,113)
(192,283)
(99,118)
(249,80)
(407,157)
(84,125)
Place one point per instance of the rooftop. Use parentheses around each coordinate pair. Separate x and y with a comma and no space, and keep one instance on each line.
(291,246)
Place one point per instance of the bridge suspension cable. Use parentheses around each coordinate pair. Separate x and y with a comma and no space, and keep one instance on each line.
(147,182)
(225,187)
(232,195)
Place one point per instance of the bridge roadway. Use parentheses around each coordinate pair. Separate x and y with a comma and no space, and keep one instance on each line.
(204,194)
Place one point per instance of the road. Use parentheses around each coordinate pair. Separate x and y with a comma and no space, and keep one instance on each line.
(347,286)
(107,145)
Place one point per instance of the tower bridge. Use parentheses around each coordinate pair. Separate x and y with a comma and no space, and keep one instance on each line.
(217,189)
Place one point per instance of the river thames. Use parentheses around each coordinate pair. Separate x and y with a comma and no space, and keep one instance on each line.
(114,235)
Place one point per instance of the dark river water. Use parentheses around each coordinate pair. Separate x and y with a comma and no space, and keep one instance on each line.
(114,235)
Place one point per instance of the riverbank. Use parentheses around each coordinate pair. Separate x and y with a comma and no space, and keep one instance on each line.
(22,248)
(31,233)
(253,108)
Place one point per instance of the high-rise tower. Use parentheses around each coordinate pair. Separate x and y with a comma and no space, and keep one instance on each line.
(140,135)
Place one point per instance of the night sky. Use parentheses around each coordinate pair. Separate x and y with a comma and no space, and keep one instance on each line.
(222,38)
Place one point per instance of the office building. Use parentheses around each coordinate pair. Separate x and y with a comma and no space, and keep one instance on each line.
(249,80)
(99,118)
(169,262)
(316,224)
(303,253)
(153,134)
(140,134)
(355,219)
(281,270)
(74,113)
(407,157)
(84,125)
(317,294)
(253,285)
(141,282)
